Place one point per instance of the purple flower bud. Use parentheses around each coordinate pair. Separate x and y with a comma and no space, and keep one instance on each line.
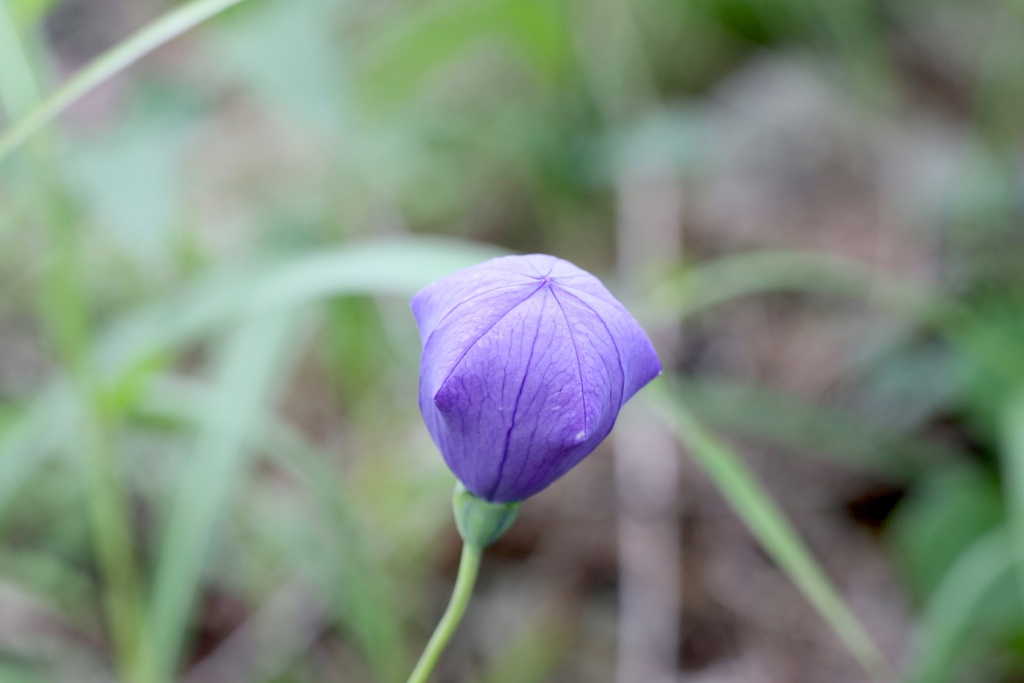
(527,361)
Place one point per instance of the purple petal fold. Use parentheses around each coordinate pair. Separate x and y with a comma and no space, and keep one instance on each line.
(527,361)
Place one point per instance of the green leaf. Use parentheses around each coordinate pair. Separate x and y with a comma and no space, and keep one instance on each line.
(759,272)
(952,614)
(764,519)
(252,367)
(1012,452)
(810,426)
(941,519)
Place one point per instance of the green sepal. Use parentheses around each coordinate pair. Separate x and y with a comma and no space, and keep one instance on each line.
(481,523)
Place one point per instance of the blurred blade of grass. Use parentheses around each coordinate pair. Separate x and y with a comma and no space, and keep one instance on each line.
(254,360)
(1012,452)
(988,345)
(109,64)
(391,267)
(946,511)
(770,527)
(949,615)
(797,422)
(361,600)
(19,91)
(65,309)
(396,267)
(757,272)
(48,418)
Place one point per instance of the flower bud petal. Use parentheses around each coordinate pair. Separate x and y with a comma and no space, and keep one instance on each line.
(527,361)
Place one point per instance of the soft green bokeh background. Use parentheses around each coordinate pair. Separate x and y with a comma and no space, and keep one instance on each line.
(212,466)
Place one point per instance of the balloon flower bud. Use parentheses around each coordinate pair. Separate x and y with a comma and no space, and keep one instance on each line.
(527,361)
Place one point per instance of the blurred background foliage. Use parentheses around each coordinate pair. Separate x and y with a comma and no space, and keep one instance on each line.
(212,467)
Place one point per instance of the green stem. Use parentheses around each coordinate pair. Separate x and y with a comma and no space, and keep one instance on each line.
(468,568)
(108,508)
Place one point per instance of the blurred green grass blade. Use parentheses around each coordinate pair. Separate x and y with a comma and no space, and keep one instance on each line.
(758,272)
(945,513)
(1012,452)
(391,267)
(109,64)
(770,527)
(396,267)
(19,91)
(252,365)
(950,613)
(810,426)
